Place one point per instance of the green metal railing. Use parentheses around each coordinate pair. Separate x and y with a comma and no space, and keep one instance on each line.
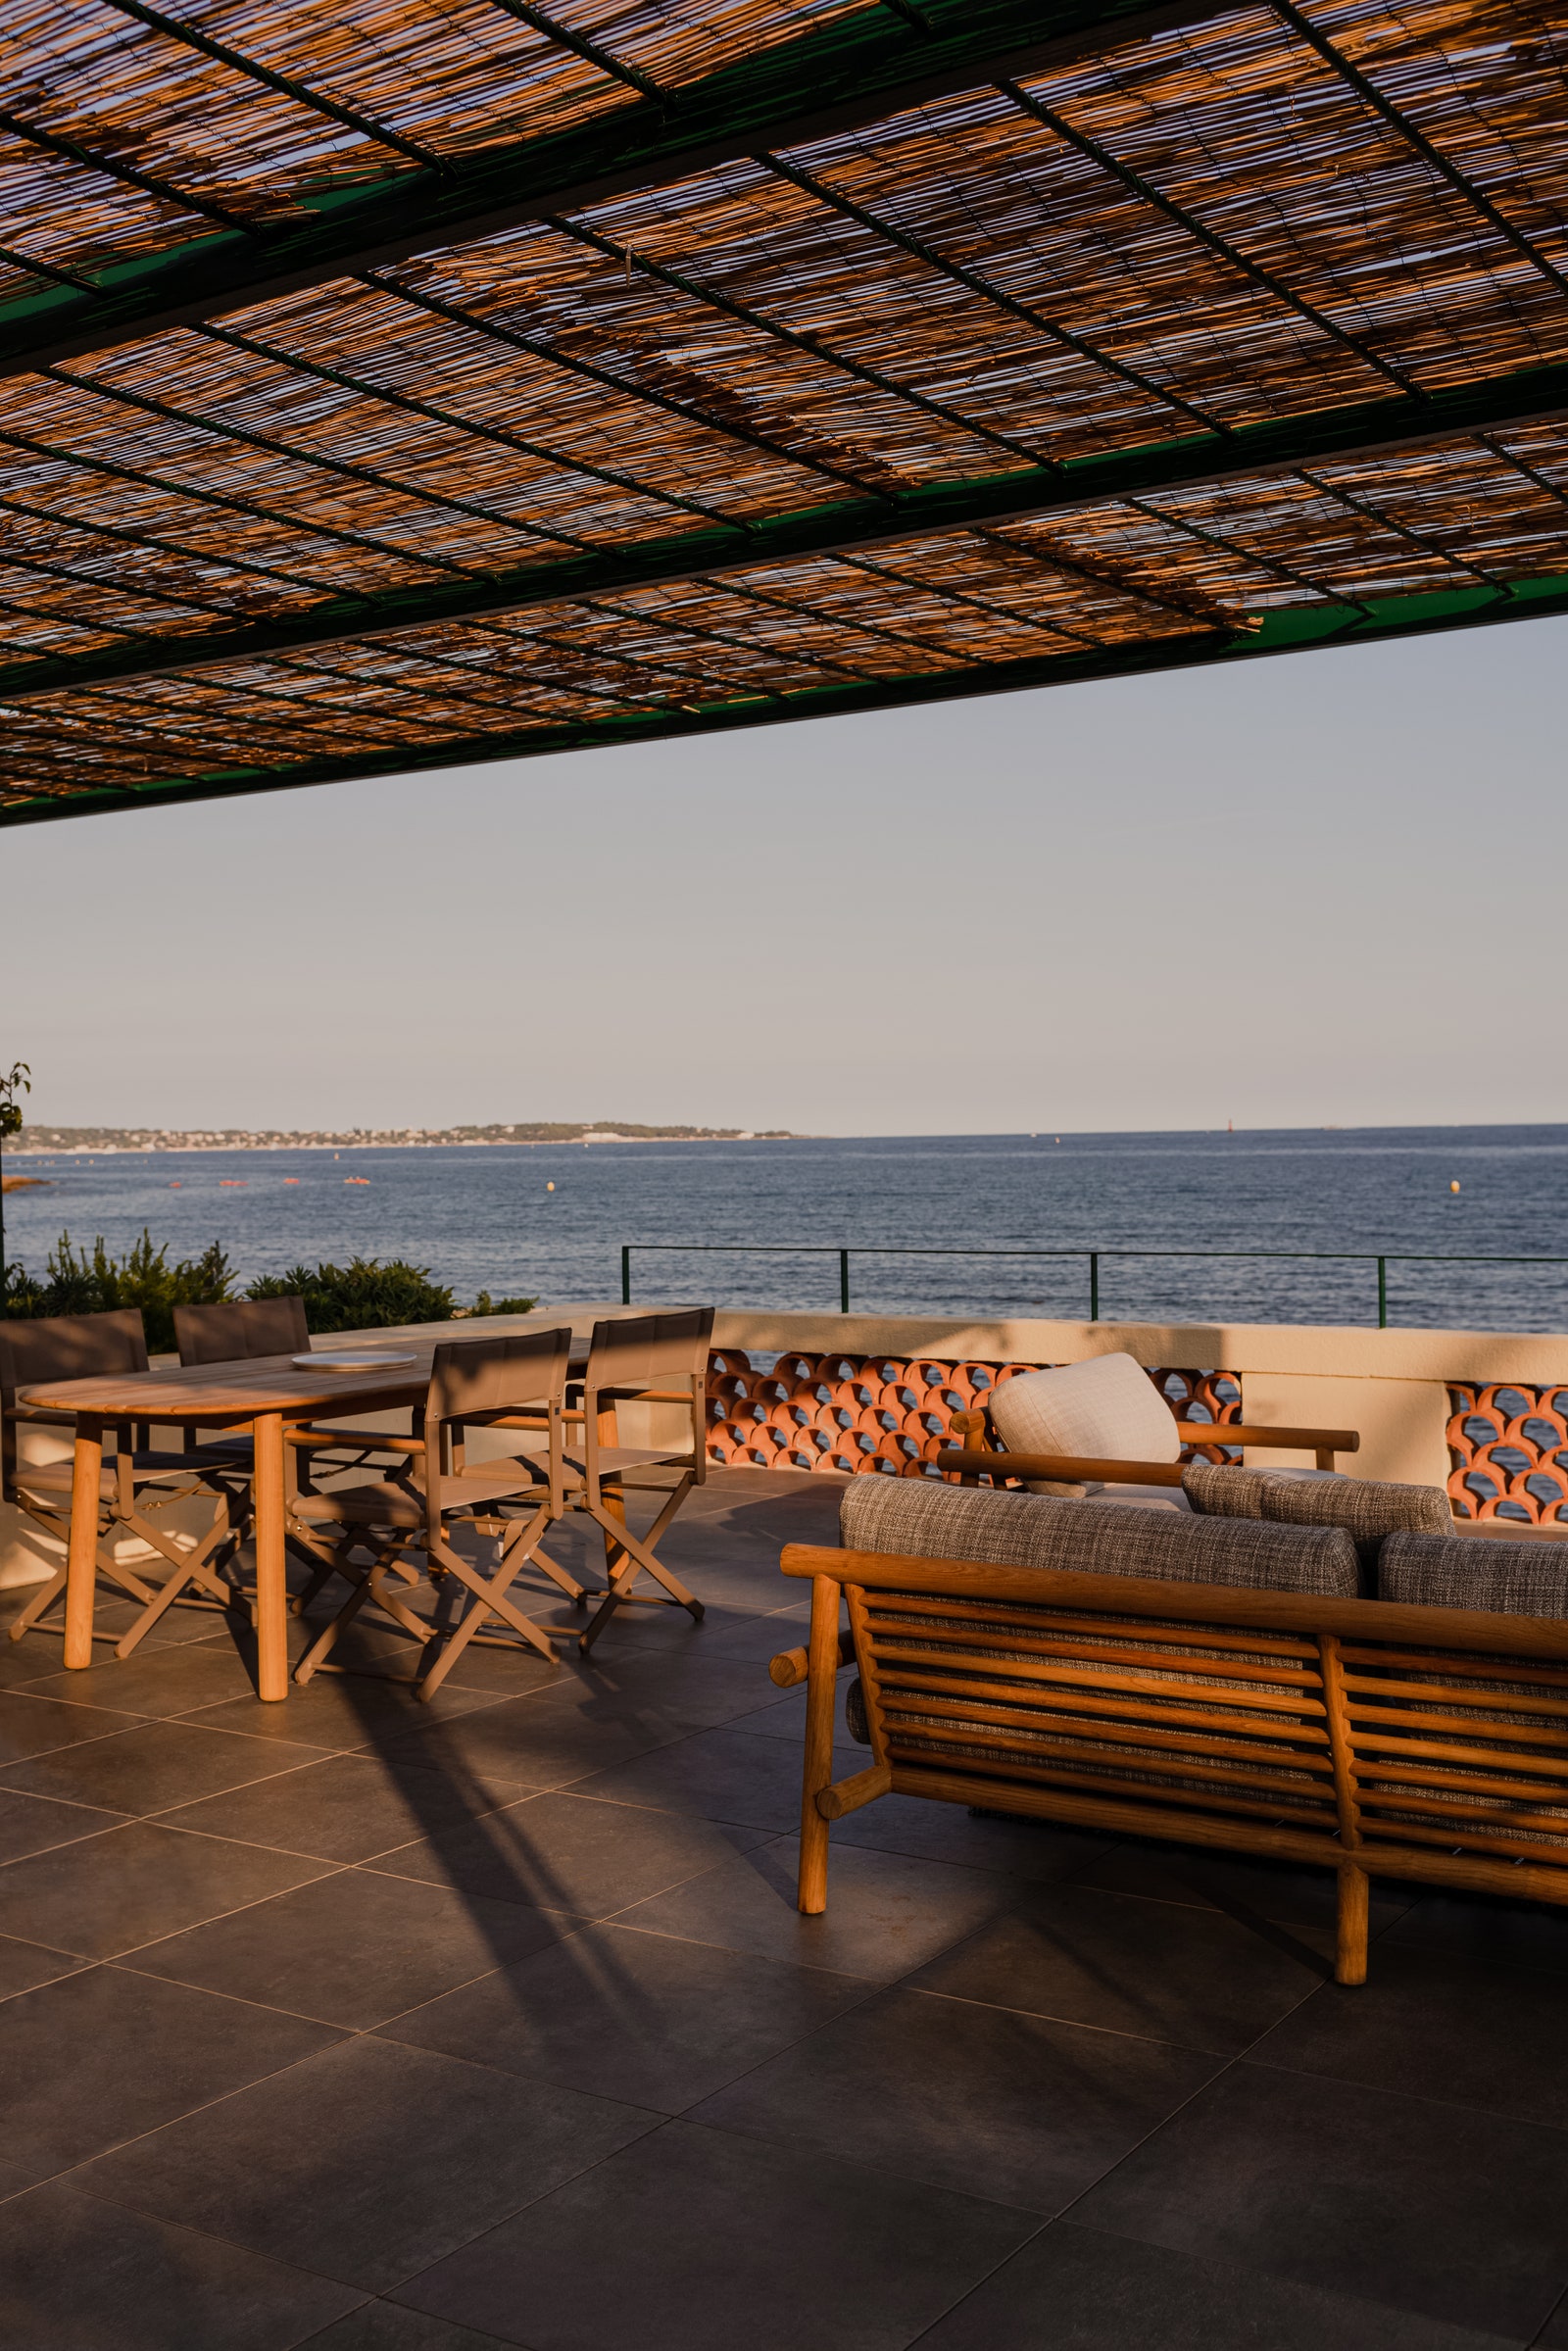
(1382,1260)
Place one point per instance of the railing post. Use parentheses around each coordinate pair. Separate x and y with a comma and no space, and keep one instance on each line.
(1094,1285)
(1383,1293)
(844,1281)
(625,1273)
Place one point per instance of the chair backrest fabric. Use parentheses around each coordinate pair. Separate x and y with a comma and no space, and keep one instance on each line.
(639,1349)
(924,1520)
(1107,1408)
(241,1327)
(70,1346)
(469,1377)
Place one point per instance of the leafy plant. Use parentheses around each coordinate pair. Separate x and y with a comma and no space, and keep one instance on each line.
(363,1295)
(484,1303)
(75,1283)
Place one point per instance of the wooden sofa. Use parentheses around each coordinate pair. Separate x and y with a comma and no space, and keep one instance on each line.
(1374,1738)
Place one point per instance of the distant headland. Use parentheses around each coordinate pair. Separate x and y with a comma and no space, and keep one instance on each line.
(69,1140)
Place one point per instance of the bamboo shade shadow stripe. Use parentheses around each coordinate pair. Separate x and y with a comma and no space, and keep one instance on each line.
(803,611)
(1370,95)
(112,167)
(975,283)
(1250,454)
(592,52)
(1220,246)
(191,37)
(219,430)
(90,527)
(1075,564)
(496,434)
(715,636)
(856,69)
(1364,507)
(476,324)
(1510,457)
(978,604)
(45,271)
(1299,631)
(223,500)
(1246,551)
(812,347)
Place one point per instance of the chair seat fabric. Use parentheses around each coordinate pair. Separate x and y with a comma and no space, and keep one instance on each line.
(384,1502)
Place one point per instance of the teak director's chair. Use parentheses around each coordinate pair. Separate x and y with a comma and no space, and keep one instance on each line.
(645,1359)
(519,1380)
(136,1480)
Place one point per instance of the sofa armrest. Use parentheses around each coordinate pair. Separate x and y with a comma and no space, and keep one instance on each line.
(1061,1469)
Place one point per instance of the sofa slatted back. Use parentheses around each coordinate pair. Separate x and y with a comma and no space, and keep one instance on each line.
(1374,1738)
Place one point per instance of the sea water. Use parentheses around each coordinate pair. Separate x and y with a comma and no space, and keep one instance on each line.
(549,1220)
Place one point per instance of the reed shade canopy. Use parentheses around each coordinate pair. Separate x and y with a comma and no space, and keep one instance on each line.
(393,386)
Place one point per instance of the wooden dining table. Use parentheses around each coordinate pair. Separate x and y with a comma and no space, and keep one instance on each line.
(263,1394)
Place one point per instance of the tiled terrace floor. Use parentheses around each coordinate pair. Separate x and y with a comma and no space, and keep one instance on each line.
(381,2027)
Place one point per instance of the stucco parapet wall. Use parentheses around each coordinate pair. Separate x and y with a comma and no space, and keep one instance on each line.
(1319,1351)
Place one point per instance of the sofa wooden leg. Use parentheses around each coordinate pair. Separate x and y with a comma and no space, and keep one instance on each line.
(1350,1965)
(821,1695)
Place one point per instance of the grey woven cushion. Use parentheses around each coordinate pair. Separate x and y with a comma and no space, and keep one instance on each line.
(1367,1511)
(927,1521)
(1451,1570)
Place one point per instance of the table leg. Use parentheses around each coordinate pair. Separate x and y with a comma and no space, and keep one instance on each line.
(82,1558)
(272,1586)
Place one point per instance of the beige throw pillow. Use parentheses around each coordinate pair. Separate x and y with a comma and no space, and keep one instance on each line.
(1107,1408)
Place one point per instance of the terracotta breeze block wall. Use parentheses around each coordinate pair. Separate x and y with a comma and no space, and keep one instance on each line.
(1509,1453)
(886,1416)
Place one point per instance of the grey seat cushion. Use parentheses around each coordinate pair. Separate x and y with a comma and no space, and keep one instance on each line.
(1368,1511)
(927,1521)
(1448,1571)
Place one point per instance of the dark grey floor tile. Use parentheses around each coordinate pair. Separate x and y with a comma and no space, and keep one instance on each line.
(1027,1849)
(1439,2025)
(35,1657)
(720,1774)
(153,1767)
(1077,2290)
(1441,2212)
(984,2100)
(33,1823)
(1554,2336)
(83,2275)
(34,1726)
(134,1882)
(568,1852)
(727,1632)
(1244,1885)
(157,1681)
(537,1742)
(353,1950)
(103,2055)
(1157,1969)
(389,2327)
(641,2017)
(693,1691)
(784,1717)
(1494,1930)
(339,1712)
(338,1808)
(23,1966)
(885,1915)
(368,2163)
(696,2240)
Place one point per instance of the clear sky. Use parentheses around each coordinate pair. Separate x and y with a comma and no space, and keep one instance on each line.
(1320,890)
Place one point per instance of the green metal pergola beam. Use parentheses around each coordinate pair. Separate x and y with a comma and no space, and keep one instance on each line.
(844,527)
(856,71)
(1300,630)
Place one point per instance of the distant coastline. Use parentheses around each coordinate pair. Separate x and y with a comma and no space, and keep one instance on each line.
(55,1142)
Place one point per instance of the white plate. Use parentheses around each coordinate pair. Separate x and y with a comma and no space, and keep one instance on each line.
(364,1360)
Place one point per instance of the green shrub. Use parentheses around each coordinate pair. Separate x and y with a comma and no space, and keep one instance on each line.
(362,1296)
(77,1284)
(484,1303)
